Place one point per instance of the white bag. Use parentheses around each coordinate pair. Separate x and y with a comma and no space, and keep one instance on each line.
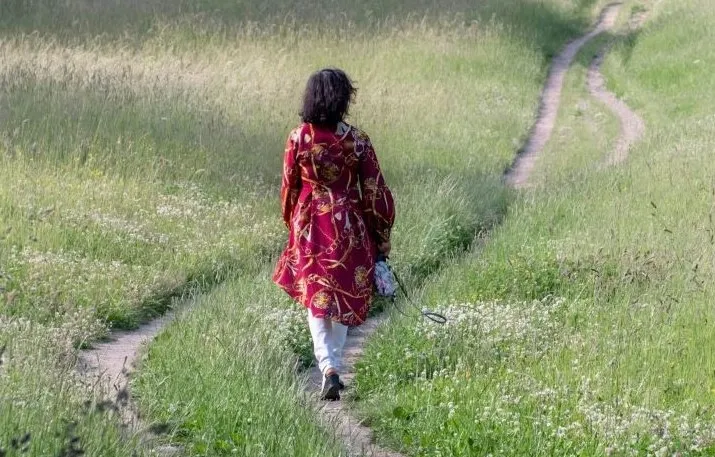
(385,283)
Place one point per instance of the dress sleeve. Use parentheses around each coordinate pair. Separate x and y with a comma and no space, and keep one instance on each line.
(378,204)
(290,186)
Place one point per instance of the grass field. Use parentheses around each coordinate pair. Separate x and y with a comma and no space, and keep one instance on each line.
(584,325)
(139,165)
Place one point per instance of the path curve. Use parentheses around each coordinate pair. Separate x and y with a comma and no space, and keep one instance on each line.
(112,362)
(632,125)
(518,175)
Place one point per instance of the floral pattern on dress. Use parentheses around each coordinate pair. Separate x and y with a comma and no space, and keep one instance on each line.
(337,208)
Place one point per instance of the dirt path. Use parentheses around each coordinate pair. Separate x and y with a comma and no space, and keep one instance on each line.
(632,125)
(110,365)
(112,362)
(518,175)
(357,438)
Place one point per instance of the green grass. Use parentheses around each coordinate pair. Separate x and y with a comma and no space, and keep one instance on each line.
(233,388)
(45,402)
(583,326)
(140,162)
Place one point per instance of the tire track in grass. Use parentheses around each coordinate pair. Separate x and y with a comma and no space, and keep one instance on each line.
(518,174)
(632,125)
(109,365)
(112,361)
(356,436)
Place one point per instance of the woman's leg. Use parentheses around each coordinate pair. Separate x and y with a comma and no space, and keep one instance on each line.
(323,346)
(339,335)
(323,332)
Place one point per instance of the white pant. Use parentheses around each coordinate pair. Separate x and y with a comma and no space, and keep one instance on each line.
(328,342)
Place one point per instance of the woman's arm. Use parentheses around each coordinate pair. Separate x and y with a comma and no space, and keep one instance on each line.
(290,186)
(378,204)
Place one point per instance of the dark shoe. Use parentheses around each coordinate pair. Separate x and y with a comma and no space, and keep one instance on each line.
(331,387)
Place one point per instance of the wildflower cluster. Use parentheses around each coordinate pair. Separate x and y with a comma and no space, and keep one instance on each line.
(505,378)
(289,326)
(512,329)
(55,286)
(120,253)
(631,430)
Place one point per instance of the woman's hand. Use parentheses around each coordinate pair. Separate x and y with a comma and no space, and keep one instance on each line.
(384,247)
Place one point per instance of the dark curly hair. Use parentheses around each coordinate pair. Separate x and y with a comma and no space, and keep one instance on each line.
(327,97)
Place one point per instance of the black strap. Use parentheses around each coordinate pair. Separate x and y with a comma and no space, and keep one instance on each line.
(431,315)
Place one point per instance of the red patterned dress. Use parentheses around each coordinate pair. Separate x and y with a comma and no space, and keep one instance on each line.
(337,208)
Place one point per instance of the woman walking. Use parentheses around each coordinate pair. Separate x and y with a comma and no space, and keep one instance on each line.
(339,213)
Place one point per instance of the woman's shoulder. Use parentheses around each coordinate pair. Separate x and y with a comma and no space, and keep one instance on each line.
(361,141)
(302,134)
(359,134)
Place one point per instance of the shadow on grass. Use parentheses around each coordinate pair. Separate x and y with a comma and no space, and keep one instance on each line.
(625,42)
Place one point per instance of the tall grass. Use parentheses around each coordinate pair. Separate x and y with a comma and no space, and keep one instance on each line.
(140,162)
